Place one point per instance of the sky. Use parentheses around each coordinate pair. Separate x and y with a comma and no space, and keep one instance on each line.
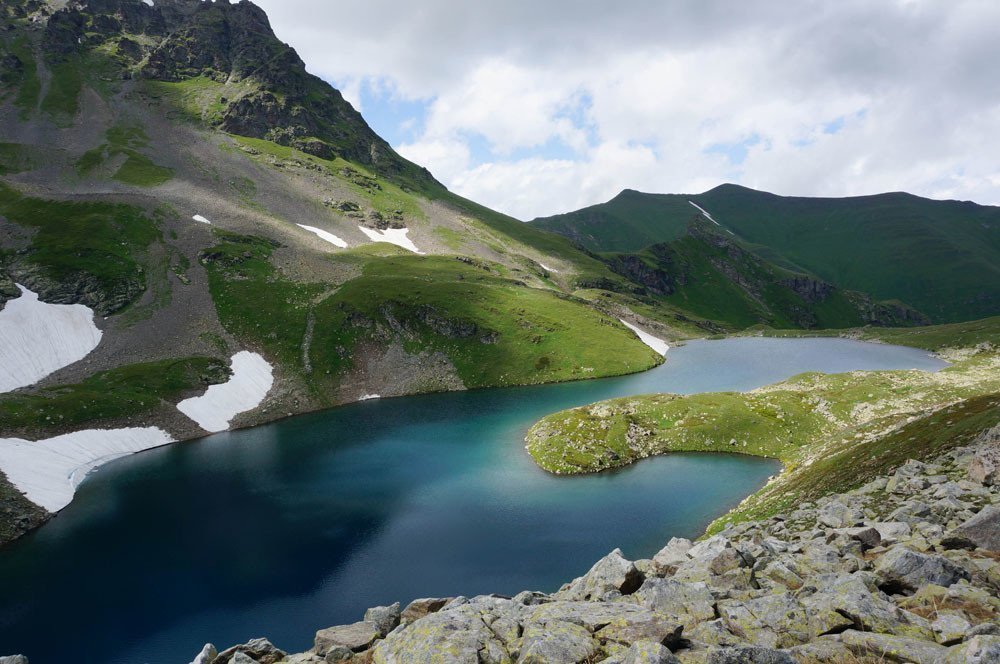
(536,107)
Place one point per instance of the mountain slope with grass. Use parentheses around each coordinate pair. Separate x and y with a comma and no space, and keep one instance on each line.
(713,275)
(939,257)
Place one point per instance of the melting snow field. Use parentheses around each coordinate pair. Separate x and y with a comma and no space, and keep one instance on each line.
(200,219)
(48,471)
(396,236)
(37,339)
(547,268)
(246,388)
(659,345)
(323,235)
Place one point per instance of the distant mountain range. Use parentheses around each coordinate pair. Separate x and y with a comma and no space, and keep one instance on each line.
(940,257)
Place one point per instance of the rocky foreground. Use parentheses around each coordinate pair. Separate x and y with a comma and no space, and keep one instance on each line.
(903,569)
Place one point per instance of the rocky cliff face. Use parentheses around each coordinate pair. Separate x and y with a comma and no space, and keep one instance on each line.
(183,40)
(904,569)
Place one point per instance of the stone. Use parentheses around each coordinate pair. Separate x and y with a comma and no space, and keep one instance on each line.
(904,569)
(693,601)
(836,514)
(419,608)
(985,466)
(355,637)
(206,656)
(338,654)
(385,618)
(261,651)
(977,650)
(868,537)
(983,529)
(673,554)
(893,648)
(651,628)
(241,658)
(557,642)
(458,636)
(709,548)
(780,573)
(950,628)
(749,655)
(612,573)
(14,659)
(649,652)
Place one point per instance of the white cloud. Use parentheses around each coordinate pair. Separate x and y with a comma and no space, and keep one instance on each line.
(537,108)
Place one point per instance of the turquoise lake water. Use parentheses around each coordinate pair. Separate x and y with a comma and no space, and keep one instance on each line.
(283,529)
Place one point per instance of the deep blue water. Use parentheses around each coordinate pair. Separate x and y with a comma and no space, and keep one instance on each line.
(302,524)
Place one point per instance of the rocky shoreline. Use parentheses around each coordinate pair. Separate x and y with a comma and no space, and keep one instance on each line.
(903,569)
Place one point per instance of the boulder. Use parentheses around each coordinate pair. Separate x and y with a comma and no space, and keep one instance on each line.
(385,618)
(557,641)
(985,466)
(241,658)
(14,659)
(612,573)
(261,651)
(458,636)
(206,656)
(356,637)
(950,627)
(691,602)
(649,652)
(749,655)
(983,529)
(673,554)
(886,647)
(419,608)
(977,650)
(904,569)
(836,514)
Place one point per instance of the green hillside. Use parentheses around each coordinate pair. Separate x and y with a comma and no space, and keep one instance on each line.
(941,257)
(712,275)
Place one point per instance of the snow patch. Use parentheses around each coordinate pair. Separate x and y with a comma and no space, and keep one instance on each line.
(547,268)
(201,219)
(396,236)
(323,235)
(251,381)
(369,397)
(37,339)
(49,471)
(709,217)
(657,344)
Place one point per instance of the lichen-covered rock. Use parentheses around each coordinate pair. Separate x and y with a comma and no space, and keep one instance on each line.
(612,573)
(261,651)
(557,642)
(673,554)
(977,650)
(910,569)
(649,652)
(385,618)
(419,608)
(458,635)
(983,529)
(887,647)
(749,655)
(14,659)
(355,637)
(692,601)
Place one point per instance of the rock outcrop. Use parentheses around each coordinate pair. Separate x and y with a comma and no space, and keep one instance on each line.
(903,569)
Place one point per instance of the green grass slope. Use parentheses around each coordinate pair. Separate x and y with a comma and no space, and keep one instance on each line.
(941,257)
(491,329)
(712,275)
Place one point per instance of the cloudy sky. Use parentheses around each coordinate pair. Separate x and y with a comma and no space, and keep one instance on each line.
(535,107)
